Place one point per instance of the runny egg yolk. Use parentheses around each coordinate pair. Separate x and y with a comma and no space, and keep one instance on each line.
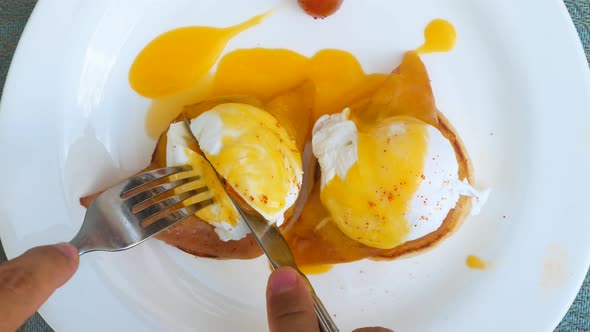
(439,36)
(263,73)
(370,201)
(182,149)
(167,65)
(254,153)
(222,210)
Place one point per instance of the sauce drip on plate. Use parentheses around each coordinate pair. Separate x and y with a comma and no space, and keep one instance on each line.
(439,36)
(178,59)
(262,73)
(316,269)
(475,263)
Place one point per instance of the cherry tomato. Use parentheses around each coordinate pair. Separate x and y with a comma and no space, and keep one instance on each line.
(320,8)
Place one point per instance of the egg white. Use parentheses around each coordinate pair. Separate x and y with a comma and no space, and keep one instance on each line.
(176,155)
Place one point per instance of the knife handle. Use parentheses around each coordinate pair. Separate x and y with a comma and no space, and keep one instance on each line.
(324,319)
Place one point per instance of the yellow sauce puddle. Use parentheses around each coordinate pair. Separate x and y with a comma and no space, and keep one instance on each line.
(316,268)
(179,58)
(163,110)
(439,36)
(174,70)
(309,269)
(262,74)
(476,263)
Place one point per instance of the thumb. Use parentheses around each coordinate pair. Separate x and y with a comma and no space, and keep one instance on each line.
(288,303)
(28,280)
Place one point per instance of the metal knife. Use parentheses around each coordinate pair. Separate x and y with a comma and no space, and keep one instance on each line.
(275,247)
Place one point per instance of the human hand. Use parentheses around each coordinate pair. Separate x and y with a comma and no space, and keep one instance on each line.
(289,304)
(28,280)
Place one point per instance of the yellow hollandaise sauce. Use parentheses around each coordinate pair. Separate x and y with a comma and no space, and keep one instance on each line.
(439,36)
(475,263)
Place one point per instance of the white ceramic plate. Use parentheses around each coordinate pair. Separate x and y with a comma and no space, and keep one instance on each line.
(517,87)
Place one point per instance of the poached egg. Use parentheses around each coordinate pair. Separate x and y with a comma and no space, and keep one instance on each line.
(252,151)
(387,183)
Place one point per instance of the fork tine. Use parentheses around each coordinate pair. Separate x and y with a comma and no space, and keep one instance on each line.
(153,210)
(176,216)
(152,192)
(143,179)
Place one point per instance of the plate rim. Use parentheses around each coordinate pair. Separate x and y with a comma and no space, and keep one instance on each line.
(32,28)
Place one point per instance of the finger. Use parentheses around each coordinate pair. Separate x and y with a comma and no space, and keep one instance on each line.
(28,280)
(373,329)
(288,303)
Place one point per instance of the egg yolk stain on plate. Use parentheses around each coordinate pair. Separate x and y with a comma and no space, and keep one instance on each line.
(315,268)
(475,263)
(177,59)
(312,268)
(175,70)
(263,73)
(439,36)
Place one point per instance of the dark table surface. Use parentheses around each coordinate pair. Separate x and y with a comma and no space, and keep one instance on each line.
(15,13)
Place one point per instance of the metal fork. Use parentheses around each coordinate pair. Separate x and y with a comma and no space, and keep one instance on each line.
(136,209)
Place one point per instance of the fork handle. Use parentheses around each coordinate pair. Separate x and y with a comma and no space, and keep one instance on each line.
(83,242)
(81,247)
(324,319)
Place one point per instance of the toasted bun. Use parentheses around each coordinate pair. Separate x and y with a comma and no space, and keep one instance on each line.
(198,238)
(455,217)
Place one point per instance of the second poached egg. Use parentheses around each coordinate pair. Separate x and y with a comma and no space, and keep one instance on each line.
(390,182)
